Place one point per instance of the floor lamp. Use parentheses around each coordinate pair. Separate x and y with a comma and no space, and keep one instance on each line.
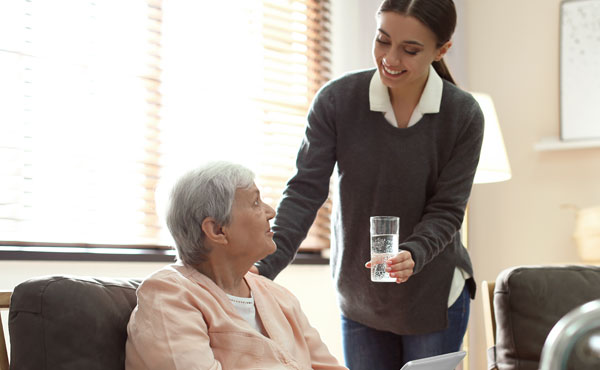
(493,164)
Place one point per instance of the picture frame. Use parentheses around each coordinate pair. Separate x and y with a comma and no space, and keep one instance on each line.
(579,70)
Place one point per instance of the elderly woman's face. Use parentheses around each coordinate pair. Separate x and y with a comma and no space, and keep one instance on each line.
(249,232)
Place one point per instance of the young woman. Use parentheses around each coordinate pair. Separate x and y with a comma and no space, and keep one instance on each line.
(406,143)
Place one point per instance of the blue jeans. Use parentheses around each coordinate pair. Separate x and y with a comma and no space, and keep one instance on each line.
(370,349)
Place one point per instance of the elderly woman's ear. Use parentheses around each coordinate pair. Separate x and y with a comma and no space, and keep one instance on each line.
(213,231)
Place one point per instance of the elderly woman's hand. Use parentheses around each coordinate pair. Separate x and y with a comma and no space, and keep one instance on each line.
(400,266)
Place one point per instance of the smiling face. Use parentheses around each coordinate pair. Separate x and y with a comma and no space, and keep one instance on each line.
(403,50)
(249,232)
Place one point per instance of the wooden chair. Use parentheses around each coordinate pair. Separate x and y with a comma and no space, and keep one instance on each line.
(4,304)
(489,321)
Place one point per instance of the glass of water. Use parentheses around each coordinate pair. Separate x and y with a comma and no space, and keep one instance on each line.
(384,245)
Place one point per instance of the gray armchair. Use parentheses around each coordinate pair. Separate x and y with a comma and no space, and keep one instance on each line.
(70,323)
(525,303)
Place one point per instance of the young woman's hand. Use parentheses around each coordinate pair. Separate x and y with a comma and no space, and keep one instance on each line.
(400,266)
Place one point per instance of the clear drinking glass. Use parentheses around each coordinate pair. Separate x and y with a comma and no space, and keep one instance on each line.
(384,244)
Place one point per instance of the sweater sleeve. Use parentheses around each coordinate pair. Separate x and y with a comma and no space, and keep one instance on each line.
(445,209)
(308,189)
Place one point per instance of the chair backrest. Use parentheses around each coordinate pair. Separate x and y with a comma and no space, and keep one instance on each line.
(529,301)
(70,322)
(4,303)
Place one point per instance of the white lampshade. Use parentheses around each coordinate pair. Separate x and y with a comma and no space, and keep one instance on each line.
(493,162)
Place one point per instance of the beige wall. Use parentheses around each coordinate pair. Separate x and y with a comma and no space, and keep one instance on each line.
(512,54)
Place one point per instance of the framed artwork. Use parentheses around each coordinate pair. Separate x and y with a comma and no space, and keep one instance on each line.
(579,69)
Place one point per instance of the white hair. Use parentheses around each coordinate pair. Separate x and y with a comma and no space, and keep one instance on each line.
(207,191)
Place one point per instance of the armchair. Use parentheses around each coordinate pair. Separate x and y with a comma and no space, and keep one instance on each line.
(527,302)
(70,322)
(4,302)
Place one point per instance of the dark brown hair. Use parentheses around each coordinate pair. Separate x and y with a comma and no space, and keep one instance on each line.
(437,15)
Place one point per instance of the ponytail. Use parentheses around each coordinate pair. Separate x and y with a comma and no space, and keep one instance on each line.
(442,69)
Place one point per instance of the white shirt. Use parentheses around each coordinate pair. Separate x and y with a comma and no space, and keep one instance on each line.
(429,103)
(245,307)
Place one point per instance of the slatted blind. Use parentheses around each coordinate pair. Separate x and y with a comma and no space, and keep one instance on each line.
(295,38)
(82,126)
(79,137)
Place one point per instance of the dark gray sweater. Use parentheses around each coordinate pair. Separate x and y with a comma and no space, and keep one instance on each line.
(423,174)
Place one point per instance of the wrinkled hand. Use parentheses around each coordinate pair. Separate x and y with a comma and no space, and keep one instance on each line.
(400,266)
(254,270)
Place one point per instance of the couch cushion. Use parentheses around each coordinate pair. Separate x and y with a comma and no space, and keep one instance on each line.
(529,301)
(68,322)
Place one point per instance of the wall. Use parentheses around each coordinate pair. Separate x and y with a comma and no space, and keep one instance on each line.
(311,284)
(352,30)
(513,55)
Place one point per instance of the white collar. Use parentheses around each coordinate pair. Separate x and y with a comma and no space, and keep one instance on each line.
(429,102)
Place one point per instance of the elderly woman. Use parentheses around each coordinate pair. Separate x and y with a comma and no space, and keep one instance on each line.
(206,311)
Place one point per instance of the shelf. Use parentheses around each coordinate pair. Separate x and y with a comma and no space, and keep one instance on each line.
(554,143)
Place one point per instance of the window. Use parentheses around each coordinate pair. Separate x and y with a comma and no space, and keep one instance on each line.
(80,120)
(102,100)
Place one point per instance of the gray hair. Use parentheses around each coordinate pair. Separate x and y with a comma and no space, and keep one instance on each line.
(207,191)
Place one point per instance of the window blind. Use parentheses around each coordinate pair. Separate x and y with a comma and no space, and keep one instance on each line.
(83,129)
(295,38)
(79,137)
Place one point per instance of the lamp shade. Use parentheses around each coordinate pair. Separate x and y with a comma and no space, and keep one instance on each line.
(493,162)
